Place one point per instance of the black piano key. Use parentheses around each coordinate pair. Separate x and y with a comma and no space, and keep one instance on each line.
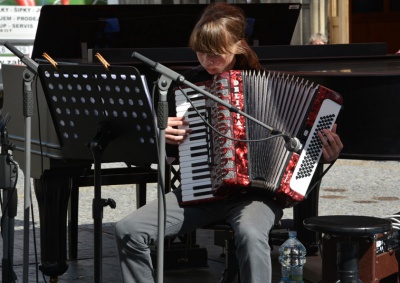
(200,107)
(201,187)
(201,194)
(197,98)
(195,125)
(197,164)
(192,110)
(202,153)
(201,177)
(203,137)
(206,169)
(199,147)
(194,115)
(198,131)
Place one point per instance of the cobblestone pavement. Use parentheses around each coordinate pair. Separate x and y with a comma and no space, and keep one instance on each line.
(351,187)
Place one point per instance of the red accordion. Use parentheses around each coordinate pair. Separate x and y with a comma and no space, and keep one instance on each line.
(234,153)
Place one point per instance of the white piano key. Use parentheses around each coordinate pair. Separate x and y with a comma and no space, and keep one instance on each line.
(196,198)
(187,106)
(201,168)
(194,172)
(191,193)
(195,178)
(194,153)
(179,97)
(186,145)
(190,162)
(197,186)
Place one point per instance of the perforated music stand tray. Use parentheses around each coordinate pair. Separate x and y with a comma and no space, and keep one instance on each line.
(83,98)
(102,115)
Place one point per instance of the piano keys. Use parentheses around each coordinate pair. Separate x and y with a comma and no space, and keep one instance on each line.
(194,152)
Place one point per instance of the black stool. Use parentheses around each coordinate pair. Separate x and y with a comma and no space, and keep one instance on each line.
(224,237)
(349,242)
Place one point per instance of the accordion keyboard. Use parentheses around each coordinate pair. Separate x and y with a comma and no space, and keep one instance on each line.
(193,152)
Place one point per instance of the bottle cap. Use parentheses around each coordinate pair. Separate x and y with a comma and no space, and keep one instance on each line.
(292,233)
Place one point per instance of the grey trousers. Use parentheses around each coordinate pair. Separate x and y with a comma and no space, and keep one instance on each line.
(250,216)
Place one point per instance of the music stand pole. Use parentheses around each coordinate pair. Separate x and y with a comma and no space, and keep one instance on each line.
(97,146)
(28,76)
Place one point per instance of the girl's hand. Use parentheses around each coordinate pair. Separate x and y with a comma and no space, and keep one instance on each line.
(173,135)
(332,145)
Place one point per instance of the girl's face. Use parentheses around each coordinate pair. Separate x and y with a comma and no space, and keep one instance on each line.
(216,64)
(317,42)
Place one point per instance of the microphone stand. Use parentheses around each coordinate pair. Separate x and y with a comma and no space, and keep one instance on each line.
(163,83)
(28,76)
(167,75)
(7,173)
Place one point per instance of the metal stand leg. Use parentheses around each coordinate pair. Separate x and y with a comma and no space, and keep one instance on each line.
(10,202)
(98,146)
(347,257)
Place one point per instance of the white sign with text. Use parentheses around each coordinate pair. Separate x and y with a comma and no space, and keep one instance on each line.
(17,24)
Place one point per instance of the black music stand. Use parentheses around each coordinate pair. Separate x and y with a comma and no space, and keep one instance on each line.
(101,114)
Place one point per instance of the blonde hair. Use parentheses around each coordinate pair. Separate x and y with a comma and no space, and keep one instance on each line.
(221,30)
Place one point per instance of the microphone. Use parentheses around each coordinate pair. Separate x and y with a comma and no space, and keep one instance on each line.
(292,144)
(144,59)
(32,65)
(160,68)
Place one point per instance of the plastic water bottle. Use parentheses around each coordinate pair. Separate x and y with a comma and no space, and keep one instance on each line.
(292,257)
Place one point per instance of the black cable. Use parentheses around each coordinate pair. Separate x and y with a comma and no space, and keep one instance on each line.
(42,171)
(319,179)
(44,277)
(218,132)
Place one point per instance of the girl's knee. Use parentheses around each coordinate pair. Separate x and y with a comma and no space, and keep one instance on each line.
(252,236)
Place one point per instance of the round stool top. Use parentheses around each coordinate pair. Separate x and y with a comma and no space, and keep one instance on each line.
(348,225)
